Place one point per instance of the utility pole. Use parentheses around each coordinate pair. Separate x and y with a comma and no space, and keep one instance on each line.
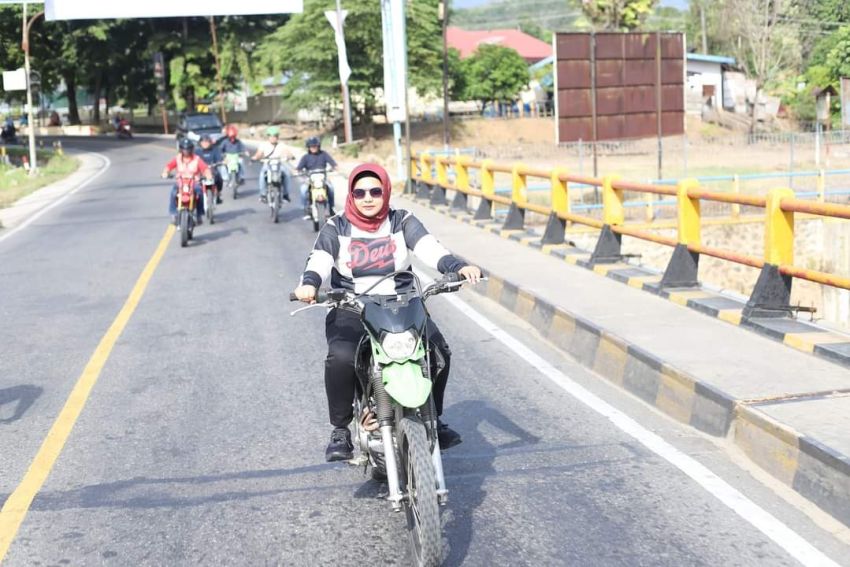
(702,23)
(25,45)
(346,101)
(444,17)
(218,69)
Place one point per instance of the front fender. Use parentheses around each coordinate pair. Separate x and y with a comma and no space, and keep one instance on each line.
(406,384)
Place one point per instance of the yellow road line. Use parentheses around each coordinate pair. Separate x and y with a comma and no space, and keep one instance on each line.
(17,505)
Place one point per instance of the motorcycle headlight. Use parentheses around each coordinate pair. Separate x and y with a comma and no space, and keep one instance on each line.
(399,346)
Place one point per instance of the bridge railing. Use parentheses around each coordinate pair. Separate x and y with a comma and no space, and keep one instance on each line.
(433,175)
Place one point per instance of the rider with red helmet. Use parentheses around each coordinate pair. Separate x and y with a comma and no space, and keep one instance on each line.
(231,144)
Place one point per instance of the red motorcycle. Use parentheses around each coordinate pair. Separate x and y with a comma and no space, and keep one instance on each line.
(124,130)
(187,206)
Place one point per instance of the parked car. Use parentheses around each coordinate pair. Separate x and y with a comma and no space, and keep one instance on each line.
(196,124)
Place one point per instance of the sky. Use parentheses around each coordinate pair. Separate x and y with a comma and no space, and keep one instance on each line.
(681,4)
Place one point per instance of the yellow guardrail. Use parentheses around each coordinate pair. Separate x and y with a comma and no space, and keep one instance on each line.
(772,292)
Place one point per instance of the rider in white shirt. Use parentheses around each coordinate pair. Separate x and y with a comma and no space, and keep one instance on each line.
(273,149)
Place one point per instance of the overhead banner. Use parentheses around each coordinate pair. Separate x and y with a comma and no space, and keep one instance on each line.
(101,10)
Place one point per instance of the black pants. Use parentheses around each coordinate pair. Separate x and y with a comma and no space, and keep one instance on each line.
(344,331)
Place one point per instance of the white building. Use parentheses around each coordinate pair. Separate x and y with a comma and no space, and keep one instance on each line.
(707,86)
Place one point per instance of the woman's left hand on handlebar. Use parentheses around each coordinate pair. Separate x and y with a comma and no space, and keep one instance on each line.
(472,274)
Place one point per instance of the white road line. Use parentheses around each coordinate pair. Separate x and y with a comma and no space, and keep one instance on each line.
(59,201)
(782,535)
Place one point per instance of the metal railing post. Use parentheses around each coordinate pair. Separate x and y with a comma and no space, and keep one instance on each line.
(560,197)
(425,179)
(683,268)
(772,293)
(461,200)
(608,247)
(488,190)
(438,193)
(519,197)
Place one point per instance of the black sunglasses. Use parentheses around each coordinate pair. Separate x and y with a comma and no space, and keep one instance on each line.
(375,192)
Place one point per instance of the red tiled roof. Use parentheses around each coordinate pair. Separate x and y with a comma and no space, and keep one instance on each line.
(467,41)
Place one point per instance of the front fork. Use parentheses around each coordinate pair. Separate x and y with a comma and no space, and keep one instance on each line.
(385,418)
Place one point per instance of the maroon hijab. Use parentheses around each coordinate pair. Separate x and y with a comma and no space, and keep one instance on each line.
(358,219)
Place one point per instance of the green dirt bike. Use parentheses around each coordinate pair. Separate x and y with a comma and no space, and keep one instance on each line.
(231,163)
(395,425)
(275,180)
(318,198)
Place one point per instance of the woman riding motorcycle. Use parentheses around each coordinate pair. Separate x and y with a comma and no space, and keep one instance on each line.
(356,249)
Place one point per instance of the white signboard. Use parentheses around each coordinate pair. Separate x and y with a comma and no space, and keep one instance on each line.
(339,35)
(395,58)
(15,80)
(103,9)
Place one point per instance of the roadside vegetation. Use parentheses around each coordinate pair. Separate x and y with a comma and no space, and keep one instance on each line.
(16,183)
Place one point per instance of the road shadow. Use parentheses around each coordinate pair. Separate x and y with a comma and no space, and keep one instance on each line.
(226,215)
(182,492)
(466,497)
(21,397)
(291,214)
(204,237)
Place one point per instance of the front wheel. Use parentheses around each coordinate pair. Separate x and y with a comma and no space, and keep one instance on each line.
(420,506)
(319,215)
(184,227)
(209,205)
(233,184)
(275,204)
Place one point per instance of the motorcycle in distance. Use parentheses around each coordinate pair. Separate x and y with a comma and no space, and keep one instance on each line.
(230,172)
(124,131)
(395,425)
(186,206)
(274,178)
(317,197)
(210,194)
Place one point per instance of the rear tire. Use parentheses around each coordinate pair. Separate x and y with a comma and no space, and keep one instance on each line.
(184,227)
(233,184)
(421,506)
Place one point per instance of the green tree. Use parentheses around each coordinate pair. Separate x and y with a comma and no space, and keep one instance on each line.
(305,52)
(495,73)
(617,14)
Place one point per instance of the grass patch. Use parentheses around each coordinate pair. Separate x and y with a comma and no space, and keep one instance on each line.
(15,182)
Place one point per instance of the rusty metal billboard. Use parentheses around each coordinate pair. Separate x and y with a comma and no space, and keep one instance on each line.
(617,86)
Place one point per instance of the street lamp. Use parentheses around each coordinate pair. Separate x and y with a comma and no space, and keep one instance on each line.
(25,45)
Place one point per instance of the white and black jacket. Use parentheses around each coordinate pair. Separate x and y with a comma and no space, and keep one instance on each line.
(355,259)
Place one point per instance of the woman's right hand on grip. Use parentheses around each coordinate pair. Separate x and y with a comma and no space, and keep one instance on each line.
(305,293)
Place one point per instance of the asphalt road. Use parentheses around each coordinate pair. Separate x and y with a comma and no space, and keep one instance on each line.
(202,442)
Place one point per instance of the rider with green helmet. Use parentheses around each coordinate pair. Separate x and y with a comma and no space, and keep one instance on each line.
(272,148)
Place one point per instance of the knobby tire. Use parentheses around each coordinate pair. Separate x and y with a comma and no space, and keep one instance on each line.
(421,507)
